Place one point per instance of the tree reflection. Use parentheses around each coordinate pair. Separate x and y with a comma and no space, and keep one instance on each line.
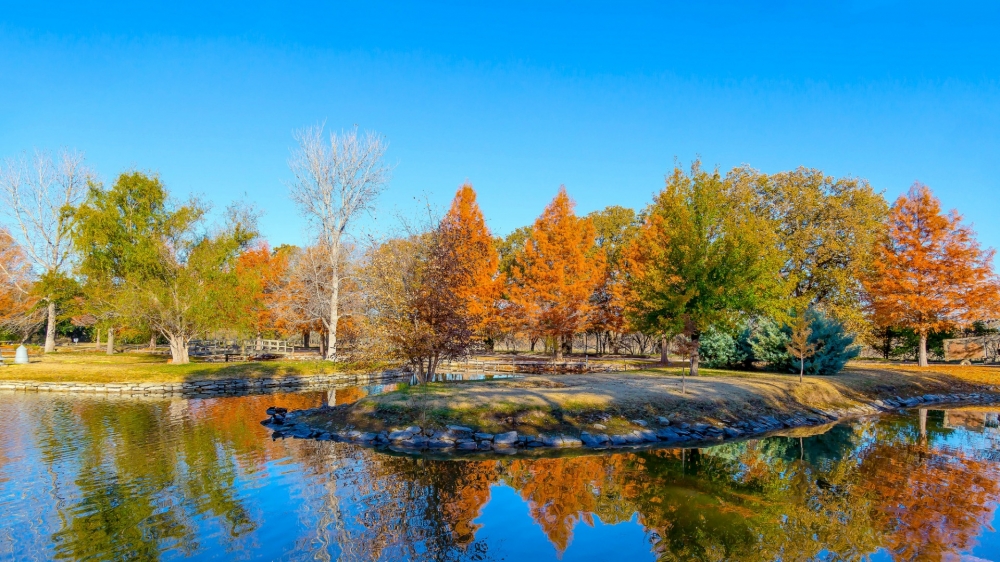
(132,478)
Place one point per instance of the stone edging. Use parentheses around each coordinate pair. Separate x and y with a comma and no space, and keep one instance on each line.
(415,439)
(208,387)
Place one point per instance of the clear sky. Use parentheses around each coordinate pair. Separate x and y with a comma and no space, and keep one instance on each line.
(516,97)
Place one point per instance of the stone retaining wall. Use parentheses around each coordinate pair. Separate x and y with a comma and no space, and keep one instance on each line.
(209,387)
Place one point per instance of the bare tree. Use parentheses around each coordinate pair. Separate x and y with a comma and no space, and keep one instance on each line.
(35,193)
(335,181)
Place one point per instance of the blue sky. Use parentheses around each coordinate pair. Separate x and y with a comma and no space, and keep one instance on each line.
(516,97)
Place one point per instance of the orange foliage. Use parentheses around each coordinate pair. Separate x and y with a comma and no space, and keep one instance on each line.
(930,273)
(260,272)
(16,300)
(932,502)
(478,284)
(557,272)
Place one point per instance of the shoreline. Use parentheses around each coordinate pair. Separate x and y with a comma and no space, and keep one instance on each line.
(207,386)
(457,441)
(616,411)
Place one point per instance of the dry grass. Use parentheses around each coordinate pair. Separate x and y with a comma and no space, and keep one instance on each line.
(563,402)
(82,366)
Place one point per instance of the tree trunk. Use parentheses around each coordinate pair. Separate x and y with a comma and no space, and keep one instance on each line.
(50,329)
(922,361)
(695,353)
(557,348)
(331,345)
(663,350)
(111,342)
(305,338)
(323,342)
(178,350)
(802,367)
(152,342)
(923,423)
(97,338)
(532,342)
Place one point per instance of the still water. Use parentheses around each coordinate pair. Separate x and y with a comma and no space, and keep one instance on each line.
(115,478)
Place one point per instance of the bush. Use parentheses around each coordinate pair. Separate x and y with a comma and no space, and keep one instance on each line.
(769,343)
(834,348)
(720,350)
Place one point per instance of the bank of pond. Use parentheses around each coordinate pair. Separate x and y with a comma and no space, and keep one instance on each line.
(169,477)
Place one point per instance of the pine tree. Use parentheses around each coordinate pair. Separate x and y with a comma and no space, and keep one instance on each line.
(799,345)
(930,273)
(556,273)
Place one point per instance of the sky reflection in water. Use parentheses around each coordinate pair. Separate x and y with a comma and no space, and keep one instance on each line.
(113,478)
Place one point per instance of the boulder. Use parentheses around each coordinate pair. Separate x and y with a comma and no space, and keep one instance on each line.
(508,439)
(484,436)
(647,435)
(400,435)
(633,438)
(466,444)
(667,434)
(414,429)
(459,429)
(599,426)
(640,423)
(662,421)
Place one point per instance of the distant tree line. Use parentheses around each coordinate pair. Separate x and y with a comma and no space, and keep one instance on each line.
(732,269)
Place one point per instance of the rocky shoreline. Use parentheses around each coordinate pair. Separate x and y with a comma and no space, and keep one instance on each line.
(460,439)
(212,387)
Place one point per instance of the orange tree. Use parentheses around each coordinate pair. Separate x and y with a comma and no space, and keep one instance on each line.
(260,275)
(556,273)
(477,285)
(930,273)
(701,258)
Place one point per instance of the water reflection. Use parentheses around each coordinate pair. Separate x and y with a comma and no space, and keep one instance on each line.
(113,478)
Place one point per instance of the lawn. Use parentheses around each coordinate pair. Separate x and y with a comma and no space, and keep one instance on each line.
(93,366)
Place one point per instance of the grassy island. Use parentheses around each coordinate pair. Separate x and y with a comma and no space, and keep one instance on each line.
(574,403)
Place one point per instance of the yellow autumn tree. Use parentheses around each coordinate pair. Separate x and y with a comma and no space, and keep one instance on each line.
(556,273)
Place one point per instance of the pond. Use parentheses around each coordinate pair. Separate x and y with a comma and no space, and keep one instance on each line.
(116,478)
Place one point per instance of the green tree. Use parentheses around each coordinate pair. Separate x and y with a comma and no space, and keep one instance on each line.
(147,259)
(828,229)
(702,258)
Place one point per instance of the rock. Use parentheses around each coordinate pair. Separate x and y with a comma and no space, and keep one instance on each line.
(732,432)
(417,442)
(459,429)
(400,435)
(484,446)
(667,434)
(440,443)
(414,429)
(484,436)
(549,440)
(662,421)
(633,438)
(603,417)
(466,444)
(591,440)
(353,434)
(366,437)
(600,426)
(568,441)
(618,440)
(508,439)
(640,423)
(276,410)
(647,435)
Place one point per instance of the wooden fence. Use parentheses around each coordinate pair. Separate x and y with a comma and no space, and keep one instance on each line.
(514,365)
